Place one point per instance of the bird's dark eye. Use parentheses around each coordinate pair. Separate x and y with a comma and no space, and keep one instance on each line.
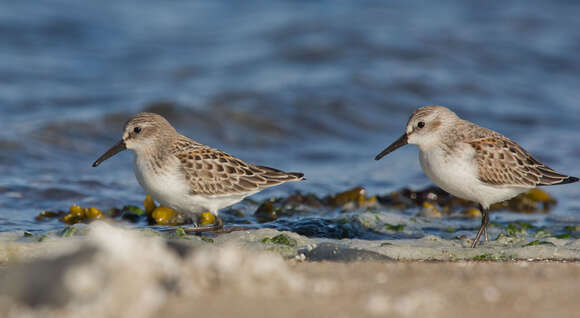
(421,124)
(137,130)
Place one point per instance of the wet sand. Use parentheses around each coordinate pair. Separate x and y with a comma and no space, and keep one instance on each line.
(103,270)
(406,289)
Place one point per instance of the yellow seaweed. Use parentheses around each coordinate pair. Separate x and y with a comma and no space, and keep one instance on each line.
(165,216)
(207,218)
(149,205)
(93,213)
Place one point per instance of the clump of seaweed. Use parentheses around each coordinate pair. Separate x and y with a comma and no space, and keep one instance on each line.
(430,202)
(349,200)
(435,202)
(152,214)
(533,201)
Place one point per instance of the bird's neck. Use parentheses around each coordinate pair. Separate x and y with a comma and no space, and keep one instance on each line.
(153,156)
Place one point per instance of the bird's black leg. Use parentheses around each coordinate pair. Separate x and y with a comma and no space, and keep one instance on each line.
(483,228)
(219,223)
(485,213)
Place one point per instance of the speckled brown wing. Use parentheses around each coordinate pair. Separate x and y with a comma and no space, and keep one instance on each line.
(212,172)
(504,162)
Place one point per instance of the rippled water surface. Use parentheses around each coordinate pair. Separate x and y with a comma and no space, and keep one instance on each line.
(314,86)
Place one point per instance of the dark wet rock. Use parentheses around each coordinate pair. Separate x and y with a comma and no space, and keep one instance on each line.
(433,195)
(338,253)
(131,217)
(328,228)
(351,199)
(114,212)
(349,196)
(271,209)
(48,215)
(309,199)
(235,216)
(267,212)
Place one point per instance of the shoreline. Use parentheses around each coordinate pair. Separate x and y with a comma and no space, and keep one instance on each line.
(115,271)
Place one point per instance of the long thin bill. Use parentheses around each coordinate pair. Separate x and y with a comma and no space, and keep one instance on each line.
(118,147)
(394,146)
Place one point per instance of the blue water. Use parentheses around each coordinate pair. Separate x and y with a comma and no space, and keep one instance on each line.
(314,86)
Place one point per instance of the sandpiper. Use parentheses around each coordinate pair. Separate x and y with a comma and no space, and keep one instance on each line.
(473,162)
(188,176)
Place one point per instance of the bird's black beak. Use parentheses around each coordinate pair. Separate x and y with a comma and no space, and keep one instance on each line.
(394,146)
(118,147)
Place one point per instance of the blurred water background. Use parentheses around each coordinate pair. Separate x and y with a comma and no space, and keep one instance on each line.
(314,86)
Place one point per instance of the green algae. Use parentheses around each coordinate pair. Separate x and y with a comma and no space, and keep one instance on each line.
(281,239)
(180,232)
(490,257)
(395,228)
(133,209)
(518,228)
(68,231)
(563,236)
(493,224)
(538,242)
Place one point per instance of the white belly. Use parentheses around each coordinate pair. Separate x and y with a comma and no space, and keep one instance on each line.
(169,187)
(458,175)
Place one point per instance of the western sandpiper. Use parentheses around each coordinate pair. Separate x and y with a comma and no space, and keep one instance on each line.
(472,162)
(185,175)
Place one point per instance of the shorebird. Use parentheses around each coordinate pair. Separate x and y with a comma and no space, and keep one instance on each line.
(185,175)
(472,162)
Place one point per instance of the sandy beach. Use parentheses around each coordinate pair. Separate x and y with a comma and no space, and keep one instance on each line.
(104,270)
(406,289)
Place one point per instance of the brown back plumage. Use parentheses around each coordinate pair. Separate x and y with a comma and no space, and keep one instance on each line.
(213,172)
(504,162)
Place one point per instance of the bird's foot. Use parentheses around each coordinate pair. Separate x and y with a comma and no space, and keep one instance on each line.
(208,222)
(208,218)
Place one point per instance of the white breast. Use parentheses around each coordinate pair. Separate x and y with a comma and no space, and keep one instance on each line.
(169,187)
(458,175)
